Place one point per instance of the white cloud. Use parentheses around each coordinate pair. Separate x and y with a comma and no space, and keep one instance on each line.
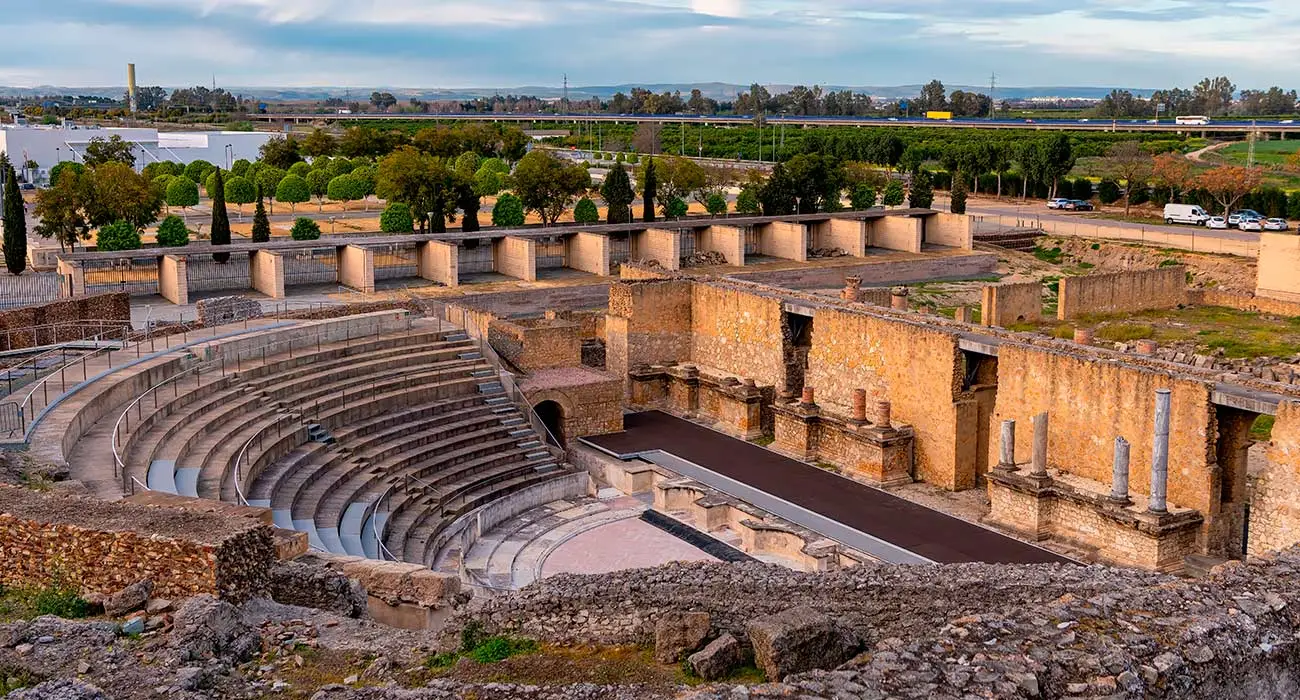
(440,13)
(718,8)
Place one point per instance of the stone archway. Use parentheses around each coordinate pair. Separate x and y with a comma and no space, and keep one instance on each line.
(552,415)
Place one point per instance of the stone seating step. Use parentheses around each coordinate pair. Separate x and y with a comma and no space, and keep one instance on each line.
(350,525)
(187,483)
(162,476)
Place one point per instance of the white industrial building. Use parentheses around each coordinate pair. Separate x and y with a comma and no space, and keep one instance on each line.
(49,145)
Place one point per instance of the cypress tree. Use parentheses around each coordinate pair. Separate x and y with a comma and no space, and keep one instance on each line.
(618,194)
(648,191)
(220,219)
(261,225)
(14,221)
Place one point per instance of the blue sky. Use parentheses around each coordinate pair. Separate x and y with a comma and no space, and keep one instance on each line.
(503,43)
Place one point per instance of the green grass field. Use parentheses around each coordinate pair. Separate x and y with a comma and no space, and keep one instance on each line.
(1266,152)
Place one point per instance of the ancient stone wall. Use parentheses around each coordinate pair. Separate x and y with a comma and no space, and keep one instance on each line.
(102,547)
(1275,506)
(738,332)
(218,311)
(1244,302)
(1279,258)
(1135,290)
(592,401)
(876,273)
(648,322)
(1007,304)
(915,367)
(532,344)
(1090,403)
(16,324)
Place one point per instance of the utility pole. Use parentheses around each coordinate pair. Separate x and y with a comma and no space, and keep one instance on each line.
(1250,156)
(565,101)
(993,88)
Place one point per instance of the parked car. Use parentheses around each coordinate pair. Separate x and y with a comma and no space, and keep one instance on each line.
(1235,217)
(1217,222)
(1251,225)
(1058,203)
(1185,214)
(1080,205)
(1275,225)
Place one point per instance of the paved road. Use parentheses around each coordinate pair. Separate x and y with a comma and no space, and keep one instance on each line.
(1037,210)
(915,528)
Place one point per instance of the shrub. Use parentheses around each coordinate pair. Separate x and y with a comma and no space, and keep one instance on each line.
(305,229)
(748,202)
(397,219)
(172,232)
(675,208)
(716,204)
(1108,191)
(862,197)
(585,212)
(922,194)
(1125,332)
(894,194)
(634,159)
(119,235)
(508,212)
(1139,195)
(958,205)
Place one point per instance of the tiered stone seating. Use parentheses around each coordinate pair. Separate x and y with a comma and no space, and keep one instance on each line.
(383,439)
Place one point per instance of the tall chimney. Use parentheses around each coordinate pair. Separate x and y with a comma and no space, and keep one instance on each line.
(134,104)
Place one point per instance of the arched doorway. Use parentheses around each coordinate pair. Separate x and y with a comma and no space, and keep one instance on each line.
(552,415)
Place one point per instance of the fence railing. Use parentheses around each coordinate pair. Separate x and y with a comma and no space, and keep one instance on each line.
(384,553)
(122,425)
(62,332)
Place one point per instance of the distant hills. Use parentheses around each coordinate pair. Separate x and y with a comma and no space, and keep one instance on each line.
(717,91)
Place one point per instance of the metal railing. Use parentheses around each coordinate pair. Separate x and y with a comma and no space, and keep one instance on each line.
(384,553)
(64,332)
(123,423)
(242,458)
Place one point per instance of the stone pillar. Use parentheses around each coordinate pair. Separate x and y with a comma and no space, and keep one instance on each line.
(962,314)
(266,273)
(852,288)
(357,268)
(1083,336)
(728,240)
(516,257)
(783,239)
(1160,455)
(1119,474)
(1007,451)
(808,398)
(898,298)
(882,417)
(860,405)
(588,252)
(1039,464)
(74,278)
(1146,347)
(660,245)
(438,261)
(173,279)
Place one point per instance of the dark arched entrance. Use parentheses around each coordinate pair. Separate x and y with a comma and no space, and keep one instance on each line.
(552,415)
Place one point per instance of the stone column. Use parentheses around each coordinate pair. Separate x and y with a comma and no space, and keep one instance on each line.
(883,417)
(808,396)
(1083,336)
(852,288)
(1007,452)
(898,298)
(1039,463)
(1119,473)
(860,405)
(1160,455)
(963,314)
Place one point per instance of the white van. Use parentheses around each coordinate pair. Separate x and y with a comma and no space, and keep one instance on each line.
(1185,214)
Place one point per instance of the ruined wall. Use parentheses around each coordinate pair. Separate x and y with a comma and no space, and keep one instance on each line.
(1090,403)
(913,367)
(1006,304)
(1275,507)
(15,324)
(641,271)
(533,344)
(1136,290)
(648,322)
(1244,302)
(101,547)
(592,401)
(739,332)
(954,230)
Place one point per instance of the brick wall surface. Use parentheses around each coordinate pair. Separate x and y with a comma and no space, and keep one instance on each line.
(897,233)
(738,332)
(1090,403)
(1136,290)
(588,252)
(537,343)
(648,322)
(592,401)
(108,307)
(1005,304)
(954,230)
(1275,508)
(101,546)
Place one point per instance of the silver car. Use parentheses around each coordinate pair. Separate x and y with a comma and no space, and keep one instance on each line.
(1275,225)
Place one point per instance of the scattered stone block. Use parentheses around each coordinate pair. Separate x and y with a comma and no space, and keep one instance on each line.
(680,633)
(717,660)
(796,640)
(129,599)
(232,309)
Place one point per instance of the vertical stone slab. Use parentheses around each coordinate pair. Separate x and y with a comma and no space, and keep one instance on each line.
(849,235)
(266,273)
(357,268)
(173,280)
(438,261)
(783,239)
(955,230)
(660,245)
(897,233)
(75,278)
(1279,258)
(728,240)
(1160,454)
(1005,304)
(588,252)
(516,257)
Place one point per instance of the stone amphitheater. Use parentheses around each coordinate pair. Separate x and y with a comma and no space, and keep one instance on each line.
(772,479)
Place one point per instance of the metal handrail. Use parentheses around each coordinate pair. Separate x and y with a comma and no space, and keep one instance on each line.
(25,406)
(374,527)
(243,457)
(36,331)
(119,463)
(142,485)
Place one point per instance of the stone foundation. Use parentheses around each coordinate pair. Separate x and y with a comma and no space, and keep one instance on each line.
(1042,508)
(880,454)
(739,406)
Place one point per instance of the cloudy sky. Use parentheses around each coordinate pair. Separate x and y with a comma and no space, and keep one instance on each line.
(502,43)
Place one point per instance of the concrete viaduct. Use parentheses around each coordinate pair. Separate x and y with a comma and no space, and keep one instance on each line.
(358,262)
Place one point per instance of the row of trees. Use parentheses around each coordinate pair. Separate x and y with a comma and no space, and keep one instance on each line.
(487,140)
(1212,96)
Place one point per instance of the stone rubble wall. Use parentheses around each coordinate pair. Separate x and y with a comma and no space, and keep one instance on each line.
(1116,292)
(218,311)
(1006,304)
(101,307)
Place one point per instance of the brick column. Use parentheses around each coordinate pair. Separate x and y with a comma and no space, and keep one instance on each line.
(357,268)
(266,273)
(173,279)
(438,261)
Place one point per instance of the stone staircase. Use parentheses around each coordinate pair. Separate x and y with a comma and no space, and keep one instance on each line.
(1022,241)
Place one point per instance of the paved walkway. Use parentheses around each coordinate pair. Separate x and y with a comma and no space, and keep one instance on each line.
(806,489)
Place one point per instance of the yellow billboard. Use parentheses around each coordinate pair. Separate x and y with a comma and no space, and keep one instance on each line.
(938,115)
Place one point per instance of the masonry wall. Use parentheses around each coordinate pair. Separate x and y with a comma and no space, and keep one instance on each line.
(516,257)
(954,230)
(897,233)
(781,239)
(266,273)
(588,252)
(173,280)
(439,261)
(849,235)
(1279,258)
(878,272)
(537,344)
(100,547)
(1136,290)
(106,307)
(1242,301)
(1275,507)
(739,332)
(357,268)
(1005,304)
(1090,403)
(662,246)
(728,240)
(649,321)
(913,367)
(592,401)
